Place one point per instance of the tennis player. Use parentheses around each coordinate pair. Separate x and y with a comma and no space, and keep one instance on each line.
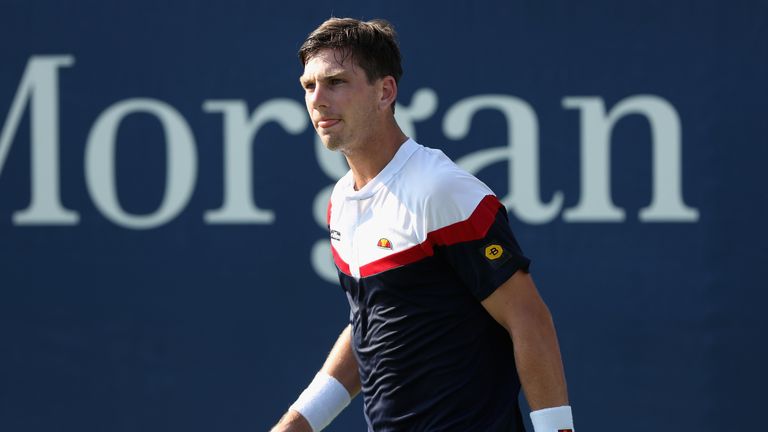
(446,323)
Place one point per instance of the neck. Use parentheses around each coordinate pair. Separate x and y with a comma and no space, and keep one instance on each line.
(368,161)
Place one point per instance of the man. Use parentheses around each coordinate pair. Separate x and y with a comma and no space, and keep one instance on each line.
(446,322)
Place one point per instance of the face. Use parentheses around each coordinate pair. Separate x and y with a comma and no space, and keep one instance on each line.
(343,105)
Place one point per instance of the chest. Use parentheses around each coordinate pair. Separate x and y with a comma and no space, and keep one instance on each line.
(370,235)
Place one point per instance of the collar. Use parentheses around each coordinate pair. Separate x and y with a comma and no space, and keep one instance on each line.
(393,167)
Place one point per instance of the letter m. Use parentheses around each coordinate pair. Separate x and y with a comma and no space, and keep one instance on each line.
(39,89)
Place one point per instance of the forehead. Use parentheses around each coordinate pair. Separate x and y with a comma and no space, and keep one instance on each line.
(329,62)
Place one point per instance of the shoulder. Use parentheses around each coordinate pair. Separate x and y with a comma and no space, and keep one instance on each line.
(446,193)
(342,185)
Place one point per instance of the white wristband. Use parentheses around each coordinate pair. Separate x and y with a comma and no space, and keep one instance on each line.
(557,419)
(322,401)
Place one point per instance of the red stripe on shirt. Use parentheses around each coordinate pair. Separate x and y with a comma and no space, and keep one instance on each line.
(475,227)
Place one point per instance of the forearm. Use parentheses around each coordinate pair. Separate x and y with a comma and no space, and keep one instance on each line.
(539,365)
(342,364)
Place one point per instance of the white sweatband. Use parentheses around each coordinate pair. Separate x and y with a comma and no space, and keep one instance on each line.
(557,419)
(322,401)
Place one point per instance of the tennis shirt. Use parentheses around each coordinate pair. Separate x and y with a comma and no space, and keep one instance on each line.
(417,249)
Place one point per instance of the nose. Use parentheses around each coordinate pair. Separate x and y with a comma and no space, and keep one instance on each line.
(317,98)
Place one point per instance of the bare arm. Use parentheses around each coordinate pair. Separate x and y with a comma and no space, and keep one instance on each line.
(340,364)
(517,306)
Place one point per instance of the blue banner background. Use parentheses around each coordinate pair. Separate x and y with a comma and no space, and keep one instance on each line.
(206,327)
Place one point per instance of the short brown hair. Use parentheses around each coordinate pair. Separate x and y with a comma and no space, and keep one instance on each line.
(371,44)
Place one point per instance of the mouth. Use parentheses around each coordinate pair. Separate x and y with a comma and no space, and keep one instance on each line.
(327,123)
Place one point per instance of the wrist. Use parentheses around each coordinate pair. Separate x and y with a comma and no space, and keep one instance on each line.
(321,401)
(556,419)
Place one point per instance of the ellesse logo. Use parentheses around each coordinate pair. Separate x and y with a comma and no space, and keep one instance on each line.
(384,244)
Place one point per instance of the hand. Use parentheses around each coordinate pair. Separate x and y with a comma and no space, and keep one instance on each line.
(292,421)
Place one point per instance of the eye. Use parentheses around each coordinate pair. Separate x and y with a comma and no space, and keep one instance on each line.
(336,81)
(309,86)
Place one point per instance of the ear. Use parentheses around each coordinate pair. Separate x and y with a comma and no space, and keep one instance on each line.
(388,93)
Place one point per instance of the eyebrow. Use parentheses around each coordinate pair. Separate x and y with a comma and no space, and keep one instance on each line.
(333,75)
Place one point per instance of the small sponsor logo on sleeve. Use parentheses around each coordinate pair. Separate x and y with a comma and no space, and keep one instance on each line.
(335,235)
(495,254)
(384,244)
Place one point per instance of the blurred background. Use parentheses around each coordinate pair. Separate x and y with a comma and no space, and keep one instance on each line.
(163,259)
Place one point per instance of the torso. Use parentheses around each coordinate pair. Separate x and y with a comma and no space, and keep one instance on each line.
(407,246)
